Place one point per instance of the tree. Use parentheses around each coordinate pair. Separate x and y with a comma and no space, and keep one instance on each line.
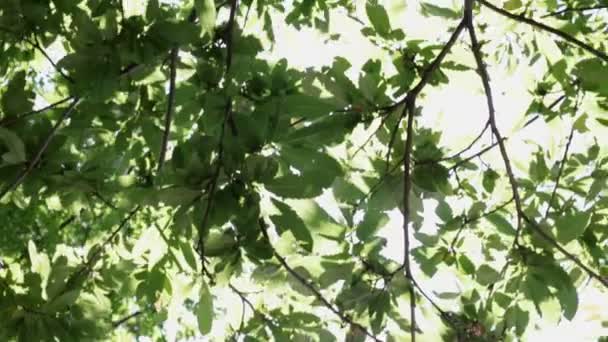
(162,176)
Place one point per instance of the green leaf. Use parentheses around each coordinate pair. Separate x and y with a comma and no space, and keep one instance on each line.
(204,310)
(372,222)
(307,106)
(489,180)
(15,146)
(581,124)
(511,5)
(432,178)
(378,17)
(16,99)
(291,221)
(571,226)
(486,275)
(206,14)
(466,264)
(430,9)
(501,224)
(63,301)
(593,74)
(518,318)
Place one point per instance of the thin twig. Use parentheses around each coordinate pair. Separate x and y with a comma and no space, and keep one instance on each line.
(468,220)
(88,264)
(246,300)
(485,79)
(572,257)
(5,122)
(227,118)
(308,284)
(45,144)
(391,143)
(559,173)
(459,153)
(534,23)
(38,47)
(575,9)
(407,189)
(170,108)
(121,321)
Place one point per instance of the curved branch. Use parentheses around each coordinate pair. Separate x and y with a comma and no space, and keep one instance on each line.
(45,144)
(572,257)
(575,9)
(170,108)
(5,122)
(308,284)
(407,189)
(534,23)
(559,173)
(485,79)
(123,320)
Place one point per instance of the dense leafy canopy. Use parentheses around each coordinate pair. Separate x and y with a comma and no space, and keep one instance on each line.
(162,176)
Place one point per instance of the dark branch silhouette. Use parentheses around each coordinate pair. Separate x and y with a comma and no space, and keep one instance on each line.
(170,108)
(45,144)
(309,285)
(534,23)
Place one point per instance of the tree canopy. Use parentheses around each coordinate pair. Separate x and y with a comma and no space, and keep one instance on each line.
(164,174)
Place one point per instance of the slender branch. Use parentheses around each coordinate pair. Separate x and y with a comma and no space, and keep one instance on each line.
(544,27)
(45,144)
(38,47)
(459,153)
(468,220)
(66,222)
(385,118)
(485,79)
(246,300)
(103,200)
(86,267)
(478,154)
(121,321)
(575,9)
(170,108)
(559,173)
(308,284)
(391,144)
(572,257)
(229,52)
(5,122)
(430,70)
(227,118)
(407,189)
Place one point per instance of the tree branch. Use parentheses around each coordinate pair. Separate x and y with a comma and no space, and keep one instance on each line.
(88,264)
(38,47)
(227,118)
(544,27)
(407,189)
(409,110)
(170,108)
(485,79)
(45,144)
(459,153)
(574,9)
(121,321)
(572,257)
(308,284)
(7,121)
(559,173)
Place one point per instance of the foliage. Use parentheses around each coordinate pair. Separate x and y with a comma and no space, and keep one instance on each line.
(162,176)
